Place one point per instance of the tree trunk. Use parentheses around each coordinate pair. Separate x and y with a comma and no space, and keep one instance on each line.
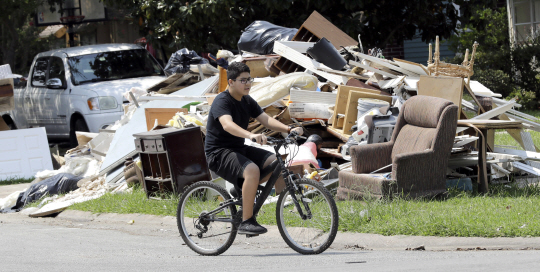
(12,38)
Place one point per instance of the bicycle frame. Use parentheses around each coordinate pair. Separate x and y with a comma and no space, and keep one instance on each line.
(279,170)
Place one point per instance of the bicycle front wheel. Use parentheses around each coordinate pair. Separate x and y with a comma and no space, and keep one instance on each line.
(314,234)
(201,230)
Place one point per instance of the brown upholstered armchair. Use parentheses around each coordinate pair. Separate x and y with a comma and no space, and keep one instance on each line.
(418,153)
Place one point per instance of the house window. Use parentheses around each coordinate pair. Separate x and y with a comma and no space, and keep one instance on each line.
(526,19)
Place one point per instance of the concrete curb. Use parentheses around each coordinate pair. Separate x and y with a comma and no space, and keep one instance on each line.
(344,240)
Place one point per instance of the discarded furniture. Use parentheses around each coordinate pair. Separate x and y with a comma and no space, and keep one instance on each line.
(449,88)
(483,126)
(171,159)
(417,153)
(312,30)
(436,67)
(163,115)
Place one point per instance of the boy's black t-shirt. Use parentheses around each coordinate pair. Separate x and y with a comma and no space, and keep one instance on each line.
(240,111)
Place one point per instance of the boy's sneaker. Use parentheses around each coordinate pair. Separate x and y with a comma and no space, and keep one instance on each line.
(251,227)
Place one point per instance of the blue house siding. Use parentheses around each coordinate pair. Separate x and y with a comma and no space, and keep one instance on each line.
(418,51)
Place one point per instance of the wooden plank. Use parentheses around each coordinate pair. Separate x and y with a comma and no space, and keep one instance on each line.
(526,155)
(372,69)
(304,61)
(412,66)
(342,98)
(526,168)
(351,112)
(385,63)
(320,27)
(529,146)
(162,114)
(450,88)
(6,90)
(338,133)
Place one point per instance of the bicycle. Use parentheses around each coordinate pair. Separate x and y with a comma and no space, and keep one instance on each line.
(306,213)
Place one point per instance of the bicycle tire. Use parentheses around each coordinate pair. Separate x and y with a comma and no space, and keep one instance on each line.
(193,203)
(295,231)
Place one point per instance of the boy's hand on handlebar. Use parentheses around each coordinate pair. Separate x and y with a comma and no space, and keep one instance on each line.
(258,138)
(297,130)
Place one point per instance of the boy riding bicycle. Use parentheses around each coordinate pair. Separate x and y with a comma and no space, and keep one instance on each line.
(226,130)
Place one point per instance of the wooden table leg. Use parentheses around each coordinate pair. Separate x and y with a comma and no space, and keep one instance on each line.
(483,186)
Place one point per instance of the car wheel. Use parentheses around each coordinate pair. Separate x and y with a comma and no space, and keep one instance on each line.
(79,125)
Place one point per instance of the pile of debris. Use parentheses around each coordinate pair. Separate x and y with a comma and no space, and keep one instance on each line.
(316,77)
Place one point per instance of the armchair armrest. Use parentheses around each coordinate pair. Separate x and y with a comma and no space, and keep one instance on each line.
(368,158)
(414,169)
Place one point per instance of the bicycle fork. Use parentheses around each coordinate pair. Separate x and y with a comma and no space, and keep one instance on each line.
(292,192)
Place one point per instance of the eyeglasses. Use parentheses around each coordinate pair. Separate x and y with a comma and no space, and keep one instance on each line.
(245,80)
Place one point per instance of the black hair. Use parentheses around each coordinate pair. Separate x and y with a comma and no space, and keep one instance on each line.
(235,69)
(315,139)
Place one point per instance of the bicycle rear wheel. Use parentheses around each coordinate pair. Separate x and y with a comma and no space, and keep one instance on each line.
(197,228)
(313,235)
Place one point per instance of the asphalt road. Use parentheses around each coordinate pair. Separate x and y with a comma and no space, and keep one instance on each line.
(56,244)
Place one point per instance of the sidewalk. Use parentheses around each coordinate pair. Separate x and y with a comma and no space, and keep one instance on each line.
(139,224)
(6,190)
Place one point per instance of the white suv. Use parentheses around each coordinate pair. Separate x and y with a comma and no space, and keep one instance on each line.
(80,88)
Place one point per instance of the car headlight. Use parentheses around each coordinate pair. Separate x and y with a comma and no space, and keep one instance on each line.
(102,103)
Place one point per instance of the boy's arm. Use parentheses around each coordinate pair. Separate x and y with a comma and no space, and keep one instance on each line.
(276,125)
(231,127)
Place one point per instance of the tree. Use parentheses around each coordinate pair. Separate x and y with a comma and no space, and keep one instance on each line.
(213,24)
(503,69)
(18,36)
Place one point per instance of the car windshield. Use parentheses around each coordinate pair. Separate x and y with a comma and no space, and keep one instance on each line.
(113,65)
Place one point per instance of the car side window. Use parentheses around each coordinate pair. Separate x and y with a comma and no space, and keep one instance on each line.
(56,70)
(39,75)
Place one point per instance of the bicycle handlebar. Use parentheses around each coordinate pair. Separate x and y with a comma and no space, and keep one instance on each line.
(291,138)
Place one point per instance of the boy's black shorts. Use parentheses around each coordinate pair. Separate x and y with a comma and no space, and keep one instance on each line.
(231,163)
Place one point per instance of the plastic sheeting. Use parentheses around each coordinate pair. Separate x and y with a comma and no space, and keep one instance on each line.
(58,184)
(275,89)
(259,37)
(181,60)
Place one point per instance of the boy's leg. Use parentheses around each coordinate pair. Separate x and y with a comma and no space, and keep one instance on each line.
(249,190)
(280,184)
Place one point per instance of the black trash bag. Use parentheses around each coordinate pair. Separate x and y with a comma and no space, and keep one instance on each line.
(324,52)
(181,60)
(57,184)
(259,37)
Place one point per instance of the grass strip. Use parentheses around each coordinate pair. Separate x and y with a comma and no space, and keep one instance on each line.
(504,212)
(11,181)
(135,202)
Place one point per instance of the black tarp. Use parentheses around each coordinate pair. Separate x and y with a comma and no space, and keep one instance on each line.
(259,37)
(57,184)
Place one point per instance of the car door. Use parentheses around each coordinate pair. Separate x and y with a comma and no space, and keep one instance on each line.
(38,78)
(53,114)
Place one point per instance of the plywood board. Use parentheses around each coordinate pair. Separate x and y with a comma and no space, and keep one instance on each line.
(412,66)
(385,63)
(450,88)
(372,69)
(351,112)
(163,115)
(321,27)
(283,49)
(342,98)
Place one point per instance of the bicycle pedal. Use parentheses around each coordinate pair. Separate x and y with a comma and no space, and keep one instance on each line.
(251,235)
